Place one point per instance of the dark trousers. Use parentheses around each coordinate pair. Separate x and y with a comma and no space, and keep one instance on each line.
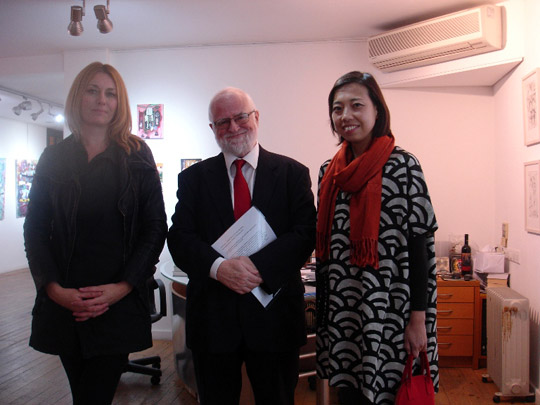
(352,396)
(94,380)
(273,376)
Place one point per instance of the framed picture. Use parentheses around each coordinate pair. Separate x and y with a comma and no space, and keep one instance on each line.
(531,111)
(2,186)
(150,121)
(185,163)
(532,196)
(25,170)
(160,171)
(443,264)
(455,263)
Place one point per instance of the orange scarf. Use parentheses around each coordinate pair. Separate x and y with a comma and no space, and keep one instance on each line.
(362,177)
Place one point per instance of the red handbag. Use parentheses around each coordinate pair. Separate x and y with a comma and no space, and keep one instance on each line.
(418,389)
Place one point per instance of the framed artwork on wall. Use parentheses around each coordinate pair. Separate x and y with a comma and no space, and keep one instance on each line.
(185,163)
(25,170)
(150,121)
(531,111)
(160,171)
(532,196)
(2,186)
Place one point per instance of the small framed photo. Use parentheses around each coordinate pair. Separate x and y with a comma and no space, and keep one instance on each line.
(185,163)
(532,196)
(455,263)
(531,107)
(443,264)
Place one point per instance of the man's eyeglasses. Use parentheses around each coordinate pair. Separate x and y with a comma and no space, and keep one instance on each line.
(239,119)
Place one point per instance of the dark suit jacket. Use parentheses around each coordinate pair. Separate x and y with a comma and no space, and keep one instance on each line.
(218,319)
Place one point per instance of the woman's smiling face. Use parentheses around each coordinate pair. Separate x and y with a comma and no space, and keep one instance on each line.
(354,116)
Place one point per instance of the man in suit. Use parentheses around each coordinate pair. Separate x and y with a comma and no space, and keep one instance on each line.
(226,325)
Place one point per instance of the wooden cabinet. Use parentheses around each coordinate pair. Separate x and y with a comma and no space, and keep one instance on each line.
(459,323)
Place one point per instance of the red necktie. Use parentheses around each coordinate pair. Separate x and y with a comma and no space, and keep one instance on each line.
(242,198)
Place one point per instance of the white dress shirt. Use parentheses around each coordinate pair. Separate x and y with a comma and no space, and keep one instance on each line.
(248,170)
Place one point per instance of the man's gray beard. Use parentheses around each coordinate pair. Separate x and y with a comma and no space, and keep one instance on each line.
(239,149)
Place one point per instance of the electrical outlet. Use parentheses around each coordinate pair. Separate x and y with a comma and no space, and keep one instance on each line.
(512,255)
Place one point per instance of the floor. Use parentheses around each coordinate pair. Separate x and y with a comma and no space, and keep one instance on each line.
(28,377)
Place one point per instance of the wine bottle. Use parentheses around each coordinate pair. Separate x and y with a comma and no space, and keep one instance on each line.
(466,265)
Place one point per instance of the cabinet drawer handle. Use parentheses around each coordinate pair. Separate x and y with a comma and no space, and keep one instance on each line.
(445,344)
(445,311)
(444,328)
(445,296)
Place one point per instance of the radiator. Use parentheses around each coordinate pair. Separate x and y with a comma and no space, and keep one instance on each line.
(507,324)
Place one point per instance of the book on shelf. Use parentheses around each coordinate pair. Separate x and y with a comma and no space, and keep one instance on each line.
(491,279)
(497,280)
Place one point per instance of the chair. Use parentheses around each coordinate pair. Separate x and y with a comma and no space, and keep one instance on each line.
(151,365)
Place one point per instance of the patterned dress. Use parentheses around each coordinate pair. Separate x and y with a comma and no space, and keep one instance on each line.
(362,312)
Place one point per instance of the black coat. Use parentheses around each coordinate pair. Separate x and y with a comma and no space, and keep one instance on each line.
(218,319)
(50,232)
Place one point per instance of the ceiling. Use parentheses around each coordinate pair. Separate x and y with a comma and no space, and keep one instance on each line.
(30,28)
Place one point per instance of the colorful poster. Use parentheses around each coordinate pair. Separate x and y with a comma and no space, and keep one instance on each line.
(150,121)
(2,186)
(25,174)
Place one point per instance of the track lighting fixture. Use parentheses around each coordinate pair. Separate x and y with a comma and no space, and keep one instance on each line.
(57,117)
(30,103)
(36,114)
(75,27)
(23,106)
(104,25)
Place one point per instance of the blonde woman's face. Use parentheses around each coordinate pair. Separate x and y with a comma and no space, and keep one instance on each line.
(99,101)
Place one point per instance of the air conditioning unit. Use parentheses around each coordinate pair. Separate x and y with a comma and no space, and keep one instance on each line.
(453,36)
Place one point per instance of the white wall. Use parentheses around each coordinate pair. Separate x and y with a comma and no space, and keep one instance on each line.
(451,131)
(510,155)
(18,140)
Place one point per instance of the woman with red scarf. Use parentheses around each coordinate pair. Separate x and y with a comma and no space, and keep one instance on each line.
(376,284)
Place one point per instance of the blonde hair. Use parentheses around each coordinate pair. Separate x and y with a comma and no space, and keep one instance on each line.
(120,127)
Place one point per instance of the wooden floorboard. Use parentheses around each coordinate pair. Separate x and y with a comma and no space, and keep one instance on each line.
(29,377)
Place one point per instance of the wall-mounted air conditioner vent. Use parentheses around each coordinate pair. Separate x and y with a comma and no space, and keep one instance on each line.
(465,33)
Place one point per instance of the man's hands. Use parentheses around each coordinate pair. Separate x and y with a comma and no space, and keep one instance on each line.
(88,302)
(239,274)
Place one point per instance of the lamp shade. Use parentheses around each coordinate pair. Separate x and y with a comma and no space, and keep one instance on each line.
(104,25)
(75,27)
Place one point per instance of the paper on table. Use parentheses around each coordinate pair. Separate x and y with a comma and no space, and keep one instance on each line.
(249,234)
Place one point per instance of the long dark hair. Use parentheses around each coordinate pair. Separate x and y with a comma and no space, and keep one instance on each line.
(382,124)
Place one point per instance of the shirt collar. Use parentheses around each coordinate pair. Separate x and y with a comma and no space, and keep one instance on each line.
(252,157)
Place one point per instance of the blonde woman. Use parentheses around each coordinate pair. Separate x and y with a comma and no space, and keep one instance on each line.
(95,227)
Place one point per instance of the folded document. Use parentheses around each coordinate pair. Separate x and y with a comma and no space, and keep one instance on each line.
(249,234)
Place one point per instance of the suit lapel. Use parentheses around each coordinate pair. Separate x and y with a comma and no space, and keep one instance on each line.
(215,175)
(265,180)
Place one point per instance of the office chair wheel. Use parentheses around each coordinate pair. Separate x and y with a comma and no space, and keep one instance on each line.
(155,380)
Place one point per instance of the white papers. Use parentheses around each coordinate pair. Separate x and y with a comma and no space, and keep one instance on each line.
(249,234)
